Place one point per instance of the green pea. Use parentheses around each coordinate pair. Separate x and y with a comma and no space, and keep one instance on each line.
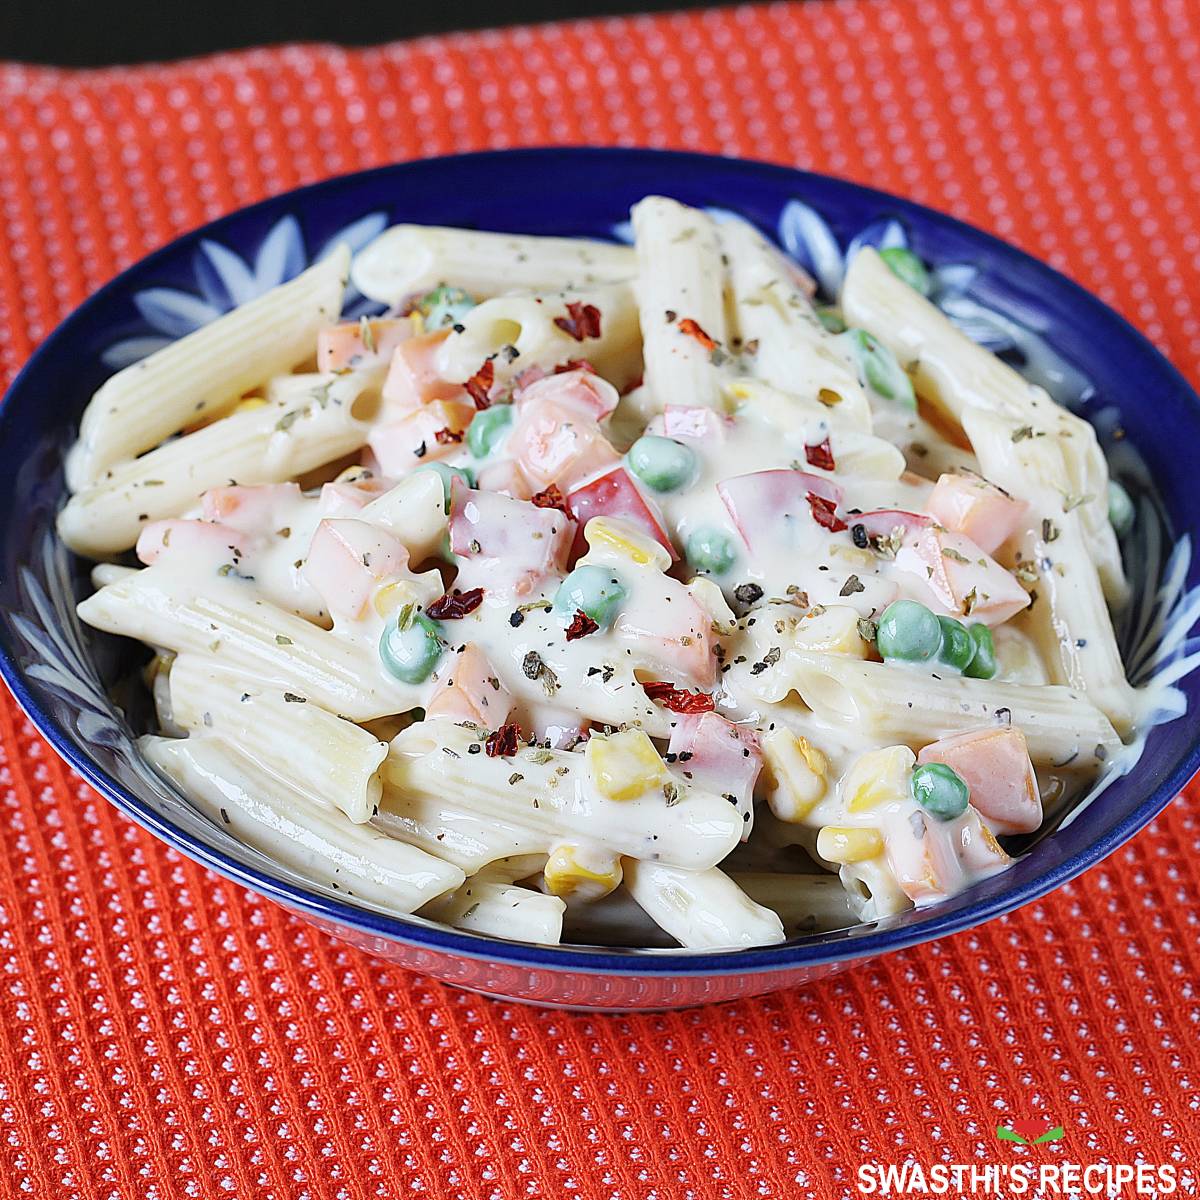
(444,306)
(831,317)
(908,631)
(958,647)
(878,369)
(487,428)
(907,266)
(597,591)
(410,646)
(940,790)
(662,463)
(1120,508)
(448,474)
(983,665)
(711,550)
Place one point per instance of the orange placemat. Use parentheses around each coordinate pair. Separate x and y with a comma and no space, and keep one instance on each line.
(164,1033)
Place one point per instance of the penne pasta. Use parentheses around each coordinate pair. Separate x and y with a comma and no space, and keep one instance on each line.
(408,259)
(550,791)
(1070,619)
(268,444)
(917,707)
(488,905)
(358,861)
(514,333)
(791,349)
(227,624)
(681,303)
(701,909)
(323,757)
(956,375)
(205,372)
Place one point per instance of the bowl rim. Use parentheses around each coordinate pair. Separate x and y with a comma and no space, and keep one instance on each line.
(875,938)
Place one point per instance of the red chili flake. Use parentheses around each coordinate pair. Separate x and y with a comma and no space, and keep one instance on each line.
(820,455)
(825,513)
(678,700)
(480,384)
(447,437)
(503,743)
(692,329)
(582,321)
(576,364)
(581,625)
(454,605)
(552,497)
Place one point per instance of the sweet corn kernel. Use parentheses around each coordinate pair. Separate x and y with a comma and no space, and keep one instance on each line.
(878,777)
(393,596)
(606,537)
(418,322)
(624,765)
(353,474)
(842,844)
(579,873)
(249,404)
(989,840)
(712,600)
(832,630)
(854,556)
(799,773)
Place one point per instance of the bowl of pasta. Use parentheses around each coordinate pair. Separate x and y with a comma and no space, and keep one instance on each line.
(609,578)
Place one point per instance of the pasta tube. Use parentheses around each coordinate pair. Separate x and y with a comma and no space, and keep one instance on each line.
(546,330)
(269,444)
(227,624)
(892,704)
(408,259)
(681,301)
(317,841)
(204,373)
(327,759)
(791,349)
(551,791)
(701,910)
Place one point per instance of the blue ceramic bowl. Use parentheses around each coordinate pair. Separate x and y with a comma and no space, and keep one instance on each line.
(63,675)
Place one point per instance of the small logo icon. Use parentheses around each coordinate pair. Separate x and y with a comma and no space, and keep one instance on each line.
(1029,1133)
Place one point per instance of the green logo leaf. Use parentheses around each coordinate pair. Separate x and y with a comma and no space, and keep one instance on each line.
(1051,1135)
(1007,1135)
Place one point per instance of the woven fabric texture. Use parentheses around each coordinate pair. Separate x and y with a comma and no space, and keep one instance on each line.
(164,1033)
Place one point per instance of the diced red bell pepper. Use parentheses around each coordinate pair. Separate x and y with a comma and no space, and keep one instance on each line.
(758,502)
(614,494)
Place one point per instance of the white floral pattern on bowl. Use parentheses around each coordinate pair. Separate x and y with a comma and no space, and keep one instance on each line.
(224,280)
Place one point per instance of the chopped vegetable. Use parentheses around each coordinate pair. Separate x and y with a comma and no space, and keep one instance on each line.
(410,649)
(983,662)
(596,591)
(878,369)
(907,266)
(940,790)
(488,429)
(662,463)
(1121,513)
(909,632)
(711,550)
